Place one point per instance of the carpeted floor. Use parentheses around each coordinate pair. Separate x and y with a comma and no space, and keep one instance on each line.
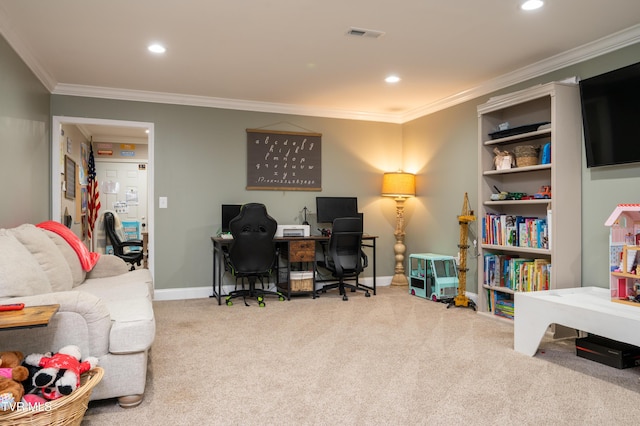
(391,359)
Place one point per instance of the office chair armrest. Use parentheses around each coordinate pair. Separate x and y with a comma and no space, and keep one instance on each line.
(132,243)
(365,259)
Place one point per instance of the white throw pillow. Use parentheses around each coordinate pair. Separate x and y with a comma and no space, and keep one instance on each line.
(47,254)
(20,273)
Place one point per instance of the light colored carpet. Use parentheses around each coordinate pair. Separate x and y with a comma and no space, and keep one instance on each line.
(391,359)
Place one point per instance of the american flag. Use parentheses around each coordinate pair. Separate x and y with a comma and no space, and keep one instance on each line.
(93,193)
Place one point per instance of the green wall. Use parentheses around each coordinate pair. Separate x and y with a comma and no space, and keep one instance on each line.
(200,157)
(24,143)
(446,144)
(200,163)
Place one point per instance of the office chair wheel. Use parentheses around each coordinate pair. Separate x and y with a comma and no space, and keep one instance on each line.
(229,302)
(281,298)
(367,294)
(261,304)
(345,298)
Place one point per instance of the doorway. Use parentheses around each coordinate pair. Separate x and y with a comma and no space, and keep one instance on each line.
(141,189)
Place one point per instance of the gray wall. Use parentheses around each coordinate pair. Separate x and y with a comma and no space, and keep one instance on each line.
(24,143)
(200,163)
(446,145)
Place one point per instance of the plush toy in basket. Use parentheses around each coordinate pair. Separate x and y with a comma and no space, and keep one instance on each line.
(65,411)
(58,375)
(11,376)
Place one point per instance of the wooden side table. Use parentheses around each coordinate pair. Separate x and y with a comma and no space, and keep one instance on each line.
(30,316)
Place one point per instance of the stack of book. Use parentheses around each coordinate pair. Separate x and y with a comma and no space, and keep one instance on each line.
(504,306)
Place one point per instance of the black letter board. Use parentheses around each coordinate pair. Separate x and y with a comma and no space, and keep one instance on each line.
(278,160)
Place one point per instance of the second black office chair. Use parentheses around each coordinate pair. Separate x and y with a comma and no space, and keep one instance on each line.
(252,254)
(344,257)
(132,257)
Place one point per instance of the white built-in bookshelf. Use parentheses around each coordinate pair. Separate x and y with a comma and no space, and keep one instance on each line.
(552,238)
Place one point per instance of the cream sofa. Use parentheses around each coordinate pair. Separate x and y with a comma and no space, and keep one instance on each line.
(106,311)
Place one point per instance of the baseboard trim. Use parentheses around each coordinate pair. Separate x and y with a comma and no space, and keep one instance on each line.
(204,292)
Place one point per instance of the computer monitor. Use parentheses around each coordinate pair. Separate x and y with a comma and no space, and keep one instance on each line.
(229,211)
(329,208)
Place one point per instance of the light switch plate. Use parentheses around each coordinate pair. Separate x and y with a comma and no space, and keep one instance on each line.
(163,203)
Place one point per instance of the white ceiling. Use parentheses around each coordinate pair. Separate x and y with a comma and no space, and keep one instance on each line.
(293,56)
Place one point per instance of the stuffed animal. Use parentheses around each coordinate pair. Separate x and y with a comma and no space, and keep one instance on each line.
(59,374)
(11,376)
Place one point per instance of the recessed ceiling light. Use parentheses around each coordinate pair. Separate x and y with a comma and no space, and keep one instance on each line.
(156,48)
(532,4)
(392,79)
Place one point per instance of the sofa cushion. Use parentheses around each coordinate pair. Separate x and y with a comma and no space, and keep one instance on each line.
(134,327)
(20,273)
(47,254)
(108,266)
(137,283)
(70,256)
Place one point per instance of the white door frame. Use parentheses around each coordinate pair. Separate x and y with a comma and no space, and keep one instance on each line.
(56,196)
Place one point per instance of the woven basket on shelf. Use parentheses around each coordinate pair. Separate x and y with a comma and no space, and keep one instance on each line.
(68,410)
(526,155)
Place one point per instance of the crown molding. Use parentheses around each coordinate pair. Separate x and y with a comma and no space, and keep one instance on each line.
(212,102)
(582,53)
(585,52)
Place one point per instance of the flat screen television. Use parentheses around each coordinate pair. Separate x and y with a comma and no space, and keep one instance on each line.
(229,211)
(329,208)
(611,116)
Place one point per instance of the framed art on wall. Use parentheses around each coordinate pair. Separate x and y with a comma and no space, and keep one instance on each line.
(69,178)
(279,160)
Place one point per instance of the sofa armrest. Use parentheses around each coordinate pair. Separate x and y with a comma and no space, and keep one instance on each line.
(82,320)
(108,266)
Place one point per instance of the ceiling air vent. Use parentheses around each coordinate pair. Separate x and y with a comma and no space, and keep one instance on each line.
(361,32)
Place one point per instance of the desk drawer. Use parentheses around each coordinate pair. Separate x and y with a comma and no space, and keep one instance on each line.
(302,251)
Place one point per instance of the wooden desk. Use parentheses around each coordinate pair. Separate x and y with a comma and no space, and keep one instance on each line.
(218,259)
(29,317)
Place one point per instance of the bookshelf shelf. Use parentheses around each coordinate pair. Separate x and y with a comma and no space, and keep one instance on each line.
(540,238)
(519,138)
(516,249)
(498,288)
(518,170)
(517,202)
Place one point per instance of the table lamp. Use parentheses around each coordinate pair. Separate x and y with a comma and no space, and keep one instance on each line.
(399,185)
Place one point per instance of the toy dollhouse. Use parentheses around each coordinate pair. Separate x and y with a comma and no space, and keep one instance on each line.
(624,253)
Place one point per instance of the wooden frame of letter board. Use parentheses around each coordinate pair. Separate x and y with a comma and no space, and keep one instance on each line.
(298,155)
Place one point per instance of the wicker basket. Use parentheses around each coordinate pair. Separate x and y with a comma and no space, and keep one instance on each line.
(526,155)
(301,281)
(68,410)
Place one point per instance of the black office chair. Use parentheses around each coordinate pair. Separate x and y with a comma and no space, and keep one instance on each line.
(344,257)
(252,254)
(131,256)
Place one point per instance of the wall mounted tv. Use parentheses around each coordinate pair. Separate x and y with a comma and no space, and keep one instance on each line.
(611,116)
(329,208)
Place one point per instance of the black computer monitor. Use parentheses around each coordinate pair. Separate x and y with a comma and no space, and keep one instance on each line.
(329,208)
(229,211)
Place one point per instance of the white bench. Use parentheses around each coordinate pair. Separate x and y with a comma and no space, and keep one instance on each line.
(588,309)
